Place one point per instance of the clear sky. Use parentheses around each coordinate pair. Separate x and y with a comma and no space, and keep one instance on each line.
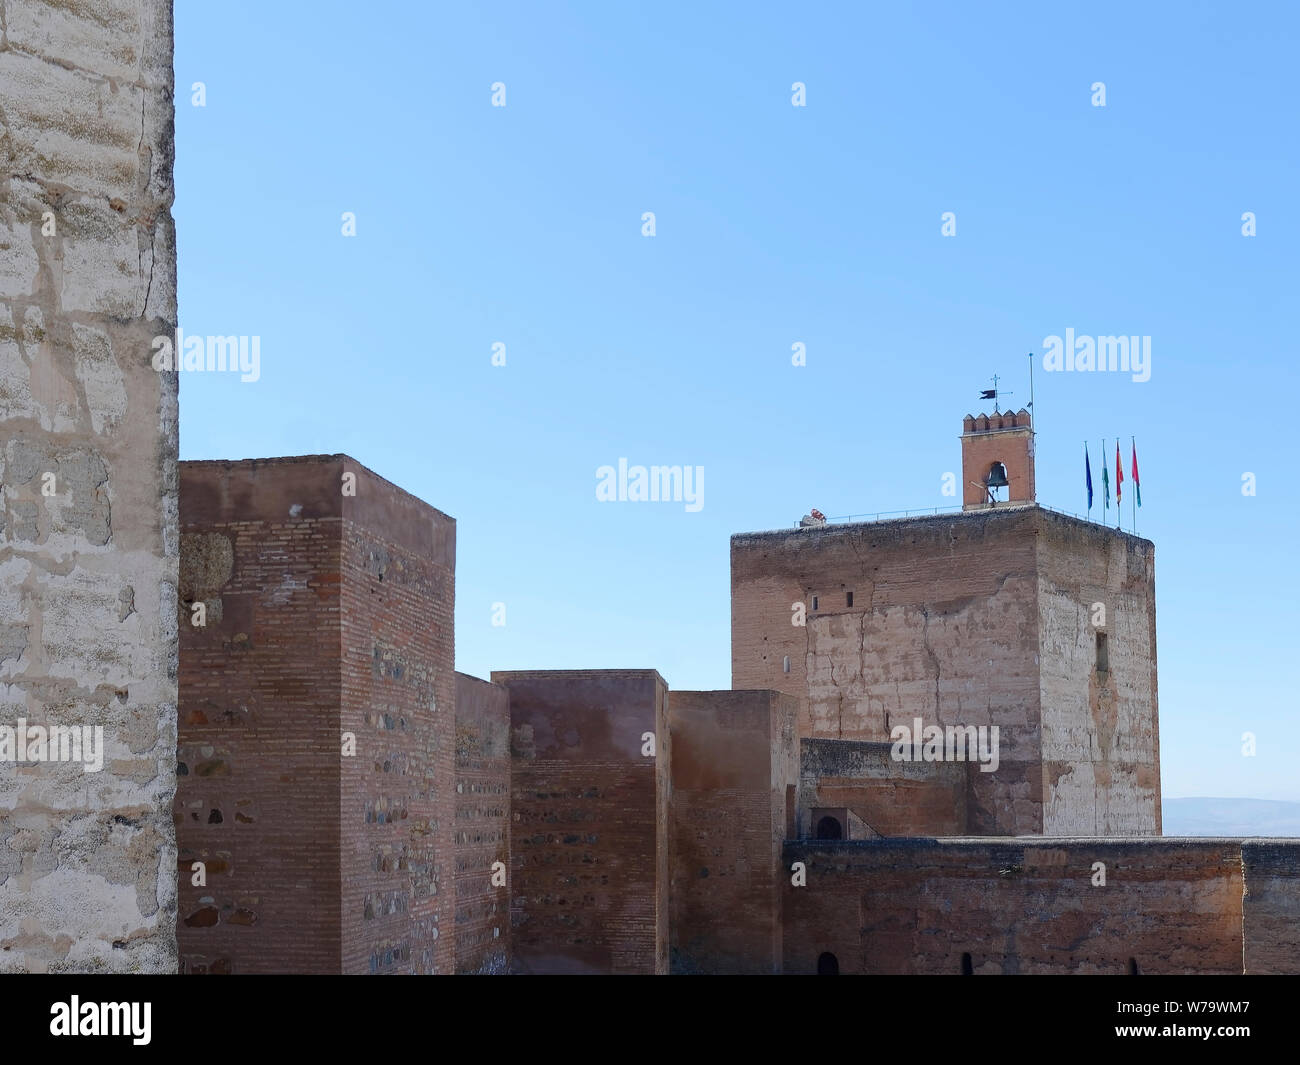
(774,225)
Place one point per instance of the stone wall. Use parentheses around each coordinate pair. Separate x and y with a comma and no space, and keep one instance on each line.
(731,807)
(482,827)
(975,619)
(1271,907)
(88,507)
(1100,728)
(942,627)
(589,828)
(1029,905)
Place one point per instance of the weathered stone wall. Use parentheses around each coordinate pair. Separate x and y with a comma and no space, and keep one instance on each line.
(1271,907)
(733,781)
(1029,905)
(885,797)
(977,619)
(1100,728)
(589,821)
(482,826)
(88,511)
(943,627)
(327,615)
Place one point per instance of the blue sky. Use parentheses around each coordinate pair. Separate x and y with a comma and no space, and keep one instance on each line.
(775,225)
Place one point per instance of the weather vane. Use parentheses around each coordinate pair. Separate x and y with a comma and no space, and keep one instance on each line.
(992,393)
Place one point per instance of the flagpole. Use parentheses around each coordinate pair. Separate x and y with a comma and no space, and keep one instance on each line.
(1088,469)
(1033,414)
(1119,473)
(1105,485)
(1133,451)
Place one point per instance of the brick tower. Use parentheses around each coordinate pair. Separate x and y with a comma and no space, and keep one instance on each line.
(997,450)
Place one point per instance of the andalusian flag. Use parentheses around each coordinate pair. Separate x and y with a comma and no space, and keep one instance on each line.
(1105,480)
(1119,474)
(1137,485)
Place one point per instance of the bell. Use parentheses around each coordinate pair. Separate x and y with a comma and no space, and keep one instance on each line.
(997,477)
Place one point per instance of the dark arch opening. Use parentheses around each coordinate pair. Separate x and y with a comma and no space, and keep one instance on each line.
(1133,967)
(829,828)
(828,965)
(996,478)
(966,968)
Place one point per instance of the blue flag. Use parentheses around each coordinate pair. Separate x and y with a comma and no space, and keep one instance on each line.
(1087,474)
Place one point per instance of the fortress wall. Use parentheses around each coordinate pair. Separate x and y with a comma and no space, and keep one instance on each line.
(1029,905)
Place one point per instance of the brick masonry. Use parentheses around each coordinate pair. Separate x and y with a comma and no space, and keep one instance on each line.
(328,616)
(1029,905)
(482,827)
(1007,439)
(732,805)
(88,493)
(589,820)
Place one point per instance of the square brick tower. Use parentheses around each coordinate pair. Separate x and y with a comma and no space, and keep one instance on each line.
(316,775)
(1007,615)
(997,455)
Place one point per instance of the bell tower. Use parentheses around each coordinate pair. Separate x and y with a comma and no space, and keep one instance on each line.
(997,459)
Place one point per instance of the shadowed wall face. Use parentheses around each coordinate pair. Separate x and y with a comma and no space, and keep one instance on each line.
(482,827)
(589,809)
(733,789)
(88,445)
(882,797)
(316,746)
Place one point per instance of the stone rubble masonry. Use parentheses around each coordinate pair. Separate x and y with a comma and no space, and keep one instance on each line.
(1029,905)
(589,820)
(732,806)
(482,826)
(980,618)
(88,573)
(327,614)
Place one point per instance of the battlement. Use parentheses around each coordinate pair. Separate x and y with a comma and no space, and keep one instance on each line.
(999,421)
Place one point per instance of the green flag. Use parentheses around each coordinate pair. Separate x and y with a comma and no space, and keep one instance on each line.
(1105,479)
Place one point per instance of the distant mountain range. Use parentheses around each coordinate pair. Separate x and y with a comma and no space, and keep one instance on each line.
(1231,817)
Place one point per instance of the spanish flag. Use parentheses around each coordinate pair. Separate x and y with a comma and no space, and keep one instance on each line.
(1119,475)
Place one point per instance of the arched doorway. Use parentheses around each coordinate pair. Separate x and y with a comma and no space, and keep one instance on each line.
(829,828)
(828,965)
